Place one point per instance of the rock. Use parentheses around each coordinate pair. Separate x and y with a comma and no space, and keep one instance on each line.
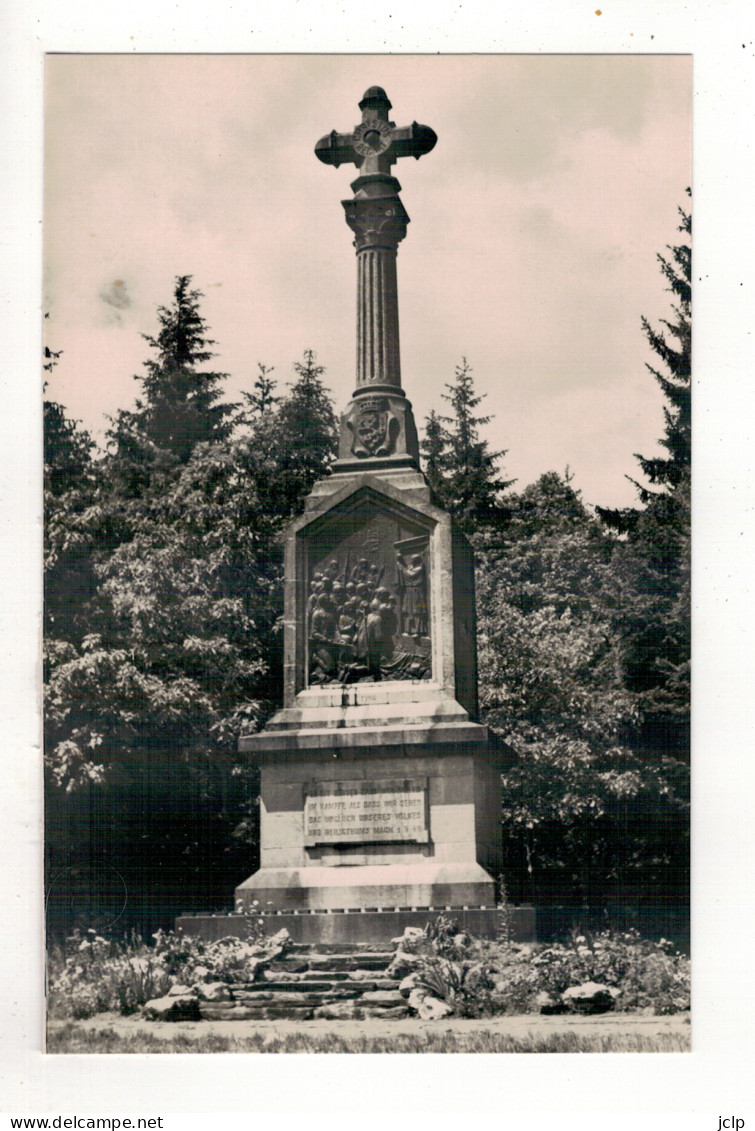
(277,974)
(403,963)
(254,966)
(462,939)
(411,934)
(178,990)
(389,1013)
(408,984)
(432,1009)
(172,1009)
(550,1005)
(590,997)
(201,974)
(214,991)
(281,938)
(416,997)
(384,997)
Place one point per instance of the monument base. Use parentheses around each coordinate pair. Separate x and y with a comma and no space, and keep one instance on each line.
(368,887)
(341,928)
(376,819)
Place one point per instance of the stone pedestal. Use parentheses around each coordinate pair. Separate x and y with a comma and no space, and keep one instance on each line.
(379,789)
(391,818)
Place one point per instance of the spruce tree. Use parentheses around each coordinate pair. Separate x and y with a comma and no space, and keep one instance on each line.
(300,438)
(262,397)
(435,451)
(181,405)
(461,467)
(673,346)
(654,560)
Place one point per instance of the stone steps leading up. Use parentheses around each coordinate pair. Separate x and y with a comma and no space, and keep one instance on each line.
(320,981)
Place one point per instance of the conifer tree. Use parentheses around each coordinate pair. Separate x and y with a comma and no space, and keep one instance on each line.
(181,405)
(435,451)
(461,467)
(673,345)
(301,438)
(654,561)
(262,397)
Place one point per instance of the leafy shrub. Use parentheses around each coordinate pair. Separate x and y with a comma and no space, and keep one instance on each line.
(91,974)
(649,975)
(465,985)
(477,977)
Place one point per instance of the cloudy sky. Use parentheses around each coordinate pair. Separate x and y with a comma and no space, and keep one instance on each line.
(535,225)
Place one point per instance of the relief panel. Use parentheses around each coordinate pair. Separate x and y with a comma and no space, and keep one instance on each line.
(368,613)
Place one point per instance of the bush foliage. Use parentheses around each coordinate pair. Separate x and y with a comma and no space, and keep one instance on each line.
(480,978)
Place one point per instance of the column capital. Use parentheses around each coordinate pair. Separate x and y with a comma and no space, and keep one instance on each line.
(376,221)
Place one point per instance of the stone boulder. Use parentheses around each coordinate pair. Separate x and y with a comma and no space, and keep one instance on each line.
(179,990)
(408,984)
(282,938)
(403,963)
(590,997)
(213,991)
(547,1004)
(169,1008)
(433,1009)
(411,934)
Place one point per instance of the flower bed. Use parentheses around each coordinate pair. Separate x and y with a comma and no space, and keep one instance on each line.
(444,972)
(587,973)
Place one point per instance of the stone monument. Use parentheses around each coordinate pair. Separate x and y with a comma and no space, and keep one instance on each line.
(380,790)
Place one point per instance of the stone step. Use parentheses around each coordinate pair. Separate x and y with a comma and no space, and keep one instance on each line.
(297,1011)
(321,980)
(290,965)
(251,996)
(350,962)
(332,975)
(295,949)
(319,987)
(269,1011)
(356,1011)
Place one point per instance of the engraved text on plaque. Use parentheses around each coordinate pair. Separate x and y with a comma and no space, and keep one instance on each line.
(364,811)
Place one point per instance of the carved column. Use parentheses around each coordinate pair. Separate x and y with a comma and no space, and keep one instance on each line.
(379,224)
(377,429)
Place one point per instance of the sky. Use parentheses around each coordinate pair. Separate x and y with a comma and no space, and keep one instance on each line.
(531,252)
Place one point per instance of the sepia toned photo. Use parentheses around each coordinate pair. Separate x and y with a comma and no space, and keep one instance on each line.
(367,553)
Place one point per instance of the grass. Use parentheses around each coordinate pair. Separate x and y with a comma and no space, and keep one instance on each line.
(73,1039)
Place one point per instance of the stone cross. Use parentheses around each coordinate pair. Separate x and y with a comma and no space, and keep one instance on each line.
(378,219)
(375,144)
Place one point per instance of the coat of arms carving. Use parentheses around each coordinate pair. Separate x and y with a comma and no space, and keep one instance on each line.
(374,428)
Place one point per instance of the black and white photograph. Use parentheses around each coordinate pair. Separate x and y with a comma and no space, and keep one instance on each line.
(367,653)
(357,550)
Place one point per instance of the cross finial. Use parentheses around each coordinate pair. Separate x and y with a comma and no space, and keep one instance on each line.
(375,144)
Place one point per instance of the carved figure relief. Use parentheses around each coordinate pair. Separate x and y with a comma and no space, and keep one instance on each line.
(412,587)
(361,627)
(374,428)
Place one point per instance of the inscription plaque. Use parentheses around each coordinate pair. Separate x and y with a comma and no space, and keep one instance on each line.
(363,812)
